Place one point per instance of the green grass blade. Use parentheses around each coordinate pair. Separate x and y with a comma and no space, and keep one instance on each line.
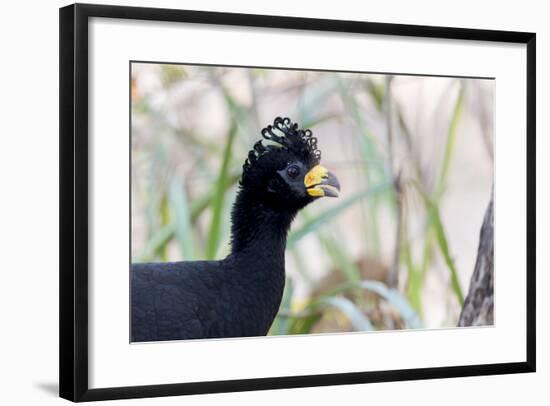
(311,99)
(377,91)
(158,240)
(340,258)
(164,214)
(441,183)
(154,190)
(373,170)
(199,204)
(304,324)
(165,234)
(304,321)
(301,265)
(374,164)
(214,234)
(441,238)
(450,145)
(314,223)
(393,297)
(444,247)
(414,282)
(359,321)
(318,120)
(181,215)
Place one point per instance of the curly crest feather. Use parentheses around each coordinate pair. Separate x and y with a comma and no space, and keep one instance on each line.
(288,136)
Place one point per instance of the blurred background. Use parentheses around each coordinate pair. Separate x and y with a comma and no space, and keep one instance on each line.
(414,156)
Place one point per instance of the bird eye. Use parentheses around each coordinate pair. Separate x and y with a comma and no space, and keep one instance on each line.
(293,171)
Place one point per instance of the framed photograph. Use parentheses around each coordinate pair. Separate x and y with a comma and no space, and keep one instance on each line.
(256,202)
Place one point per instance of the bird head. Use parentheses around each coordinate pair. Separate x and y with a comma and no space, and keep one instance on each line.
(284,168)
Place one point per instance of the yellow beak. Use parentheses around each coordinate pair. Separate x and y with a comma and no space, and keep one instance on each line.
(320,182)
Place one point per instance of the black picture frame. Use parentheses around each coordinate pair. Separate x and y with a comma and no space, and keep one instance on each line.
(74,171)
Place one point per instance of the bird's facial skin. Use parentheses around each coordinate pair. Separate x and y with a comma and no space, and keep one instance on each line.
(320,182)
(307,184)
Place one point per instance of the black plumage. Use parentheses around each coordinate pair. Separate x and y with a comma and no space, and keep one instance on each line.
(240,295)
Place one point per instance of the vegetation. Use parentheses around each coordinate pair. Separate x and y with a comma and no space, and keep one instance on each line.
(360,262)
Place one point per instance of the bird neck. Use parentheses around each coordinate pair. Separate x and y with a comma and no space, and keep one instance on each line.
(257,229)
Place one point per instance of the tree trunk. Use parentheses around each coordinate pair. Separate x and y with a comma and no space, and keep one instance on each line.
(478,305)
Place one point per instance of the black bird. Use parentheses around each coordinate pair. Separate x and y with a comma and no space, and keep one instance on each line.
(238,296)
